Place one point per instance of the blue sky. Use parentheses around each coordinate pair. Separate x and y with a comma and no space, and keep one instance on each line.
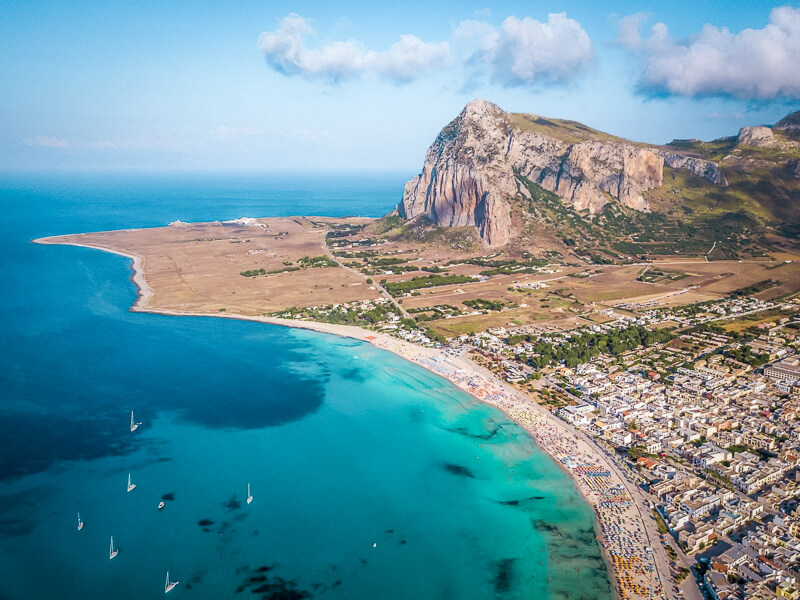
(350,85)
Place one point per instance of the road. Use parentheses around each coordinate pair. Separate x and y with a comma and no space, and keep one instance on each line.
(377,285)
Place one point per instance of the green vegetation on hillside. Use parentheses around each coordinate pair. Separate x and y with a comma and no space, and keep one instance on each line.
(618,231)
(567,131)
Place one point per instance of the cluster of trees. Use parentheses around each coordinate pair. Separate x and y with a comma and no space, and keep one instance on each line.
(386,262)
(317,262)
(483,304)
(759,286)
(344,230)
(745,355)
(399,287)
(358,254)
(340,315)
(252,273)
(585,346)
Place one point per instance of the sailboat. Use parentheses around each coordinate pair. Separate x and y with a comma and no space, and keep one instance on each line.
(131,486)
(249,495)
(112,552)
(134,424)
(169,585)
(80,523)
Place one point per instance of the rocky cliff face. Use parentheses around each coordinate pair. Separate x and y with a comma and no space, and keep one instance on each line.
(696,166)
(471,169)
(756,136)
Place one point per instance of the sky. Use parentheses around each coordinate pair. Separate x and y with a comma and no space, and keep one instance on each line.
(351,85)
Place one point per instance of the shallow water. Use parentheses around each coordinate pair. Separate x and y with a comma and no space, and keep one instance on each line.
(371,477)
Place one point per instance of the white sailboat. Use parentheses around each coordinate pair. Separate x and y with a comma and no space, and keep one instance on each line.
(249,495)
(161,505)
(112,552)
(169,585)
(131,486)
(80,523)
(134,424)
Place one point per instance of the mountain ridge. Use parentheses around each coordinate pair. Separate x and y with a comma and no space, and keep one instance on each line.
(482,160)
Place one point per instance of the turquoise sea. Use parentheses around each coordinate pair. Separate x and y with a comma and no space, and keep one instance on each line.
(371,477)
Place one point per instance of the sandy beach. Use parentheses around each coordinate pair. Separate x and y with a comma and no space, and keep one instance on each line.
(620,527)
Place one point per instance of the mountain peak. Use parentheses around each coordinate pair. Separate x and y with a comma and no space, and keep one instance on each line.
(789,122)
(479,108)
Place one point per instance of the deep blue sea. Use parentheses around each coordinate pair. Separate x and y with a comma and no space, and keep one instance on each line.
(371,477)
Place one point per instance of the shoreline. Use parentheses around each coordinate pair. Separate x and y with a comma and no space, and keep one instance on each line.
(574,455)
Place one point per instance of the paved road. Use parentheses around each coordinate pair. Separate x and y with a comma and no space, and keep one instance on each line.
(377,285)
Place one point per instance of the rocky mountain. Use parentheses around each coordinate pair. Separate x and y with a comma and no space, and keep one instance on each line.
(789,123)
(756,136)
(487,157)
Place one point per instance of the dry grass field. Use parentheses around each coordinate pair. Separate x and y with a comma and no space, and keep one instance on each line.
(197,268)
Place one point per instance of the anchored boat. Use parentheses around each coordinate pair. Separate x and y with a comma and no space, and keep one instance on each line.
(169,585)
(134,424)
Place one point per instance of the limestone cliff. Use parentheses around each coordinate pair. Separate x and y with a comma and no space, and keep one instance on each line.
(471,169)
(756,136)
(696,166)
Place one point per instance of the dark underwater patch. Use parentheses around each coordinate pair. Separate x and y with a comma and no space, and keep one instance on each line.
(520,501)
(540,525)
(233,503)
(485,436)
(209,372)
(503,575)
(354,374)
(11,527)
(260,584)
(205,522)
(458,470)
(168,496)
(67,439)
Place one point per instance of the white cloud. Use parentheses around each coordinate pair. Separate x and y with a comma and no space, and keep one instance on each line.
(753,63)
(526,51)
(628,29)
(46,141)
(285,50)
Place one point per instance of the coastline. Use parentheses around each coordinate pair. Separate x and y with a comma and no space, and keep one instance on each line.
(573,454)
